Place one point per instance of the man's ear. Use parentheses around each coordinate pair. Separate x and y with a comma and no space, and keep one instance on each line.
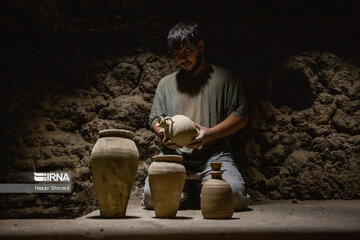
(201,45)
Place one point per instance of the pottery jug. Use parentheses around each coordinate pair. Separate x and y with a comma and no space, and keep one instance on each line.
(166,178)
(216,195)
(114,161)
(179,129)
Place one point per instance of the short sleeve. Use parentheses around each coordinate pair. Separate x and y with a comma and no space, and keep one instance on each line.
(236,97)
(158,106)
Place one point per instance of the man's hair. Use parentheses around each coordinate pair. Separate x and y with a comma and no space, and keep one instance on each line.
(182,34)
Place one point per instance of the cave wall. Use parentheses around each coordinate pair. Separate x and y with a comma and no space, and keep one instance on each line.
(59,133)
(72,69)
(308,150)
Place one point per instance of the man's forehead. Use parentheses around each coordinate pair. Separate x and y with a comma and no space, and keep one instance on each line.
(183,47)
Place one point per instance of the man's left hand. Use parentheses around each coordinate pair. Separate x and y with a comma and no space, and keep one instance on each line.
(205,136)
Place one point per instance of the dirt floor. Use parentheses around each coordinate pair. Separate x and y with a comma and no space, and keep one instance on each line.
(330,219)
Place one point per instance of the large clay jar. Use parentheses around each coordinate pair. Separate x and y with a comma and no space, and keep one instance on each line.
(179,129)
(166,178)
(114,161)
(216,196)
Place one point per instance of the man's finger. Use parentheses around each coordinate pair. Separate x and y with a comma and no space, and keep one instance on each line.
(193,145)
(161,132)
(196,140)
(171,145)
(168,142)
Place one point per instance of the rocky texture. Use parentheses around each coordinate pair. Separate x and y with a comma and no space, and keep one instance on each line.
(303,143)
(58,135)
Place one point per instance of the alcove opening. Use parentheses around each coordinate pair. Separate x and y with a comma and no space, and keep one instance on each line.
(292,88)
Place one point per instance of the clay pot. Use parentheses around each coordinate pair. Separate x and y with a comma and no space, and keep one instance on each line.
(216,196)
(166,178)
(114,161)
(179,129)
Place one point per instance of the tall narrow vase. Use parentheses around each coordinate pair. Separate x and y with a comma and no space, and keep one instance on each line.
(114,161)
(167,178)
(216,195)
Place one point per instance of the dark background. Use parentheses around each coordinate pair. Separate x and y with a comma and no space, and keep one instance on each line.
(47,43)
(48,46)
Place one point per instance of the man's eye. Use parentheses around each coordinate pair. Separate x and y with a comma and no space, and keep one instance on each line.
(185,52)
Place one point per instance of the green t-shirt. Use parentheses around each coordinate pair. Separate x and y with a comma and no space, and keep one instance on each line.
(220,95)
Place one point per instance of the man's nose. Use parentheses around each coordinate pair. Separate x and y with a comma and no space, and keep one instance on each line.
(182,59)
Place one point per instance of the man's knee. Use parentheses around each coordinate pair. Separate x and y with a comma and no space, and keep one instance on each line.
(233,177)
(146,200)
(241,199)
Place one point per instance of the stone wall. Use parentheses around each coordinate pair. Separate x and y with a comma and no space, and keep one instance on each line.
(59,133)
(299,144)
(304,143)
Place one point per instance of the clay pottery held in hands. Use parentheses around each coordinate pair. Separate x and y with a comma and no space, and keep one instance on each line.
(179,129)
(216,196)
(114,161)
(166,178)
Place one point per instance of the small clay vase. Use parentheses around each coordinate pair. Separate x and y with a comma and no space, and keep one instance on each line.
(114,161)
(179,129)
(216,196)
(166,178)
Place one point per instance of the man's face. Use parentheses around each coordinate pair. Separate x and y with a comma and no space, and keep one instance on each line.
(189,56)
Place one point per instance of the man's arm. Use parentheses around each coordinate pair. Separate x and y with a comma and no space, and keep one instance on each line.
(236,107)
(157,110)
(225,128)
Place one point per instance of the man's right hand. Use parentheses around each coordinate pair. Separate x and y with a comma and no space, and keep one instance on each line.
(167,142)
(160,132)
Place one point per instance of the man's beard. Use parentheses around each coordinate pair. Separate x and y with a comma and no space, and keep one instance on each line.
(188,74)
(187,83)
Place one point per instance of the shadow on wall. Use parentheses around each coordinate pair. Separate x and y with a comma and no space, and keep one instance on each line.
(292,88)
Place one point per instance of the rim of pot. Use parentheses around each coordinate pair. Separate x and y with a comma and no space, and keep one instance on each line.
(116,133)
(215,166)
(167,158)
